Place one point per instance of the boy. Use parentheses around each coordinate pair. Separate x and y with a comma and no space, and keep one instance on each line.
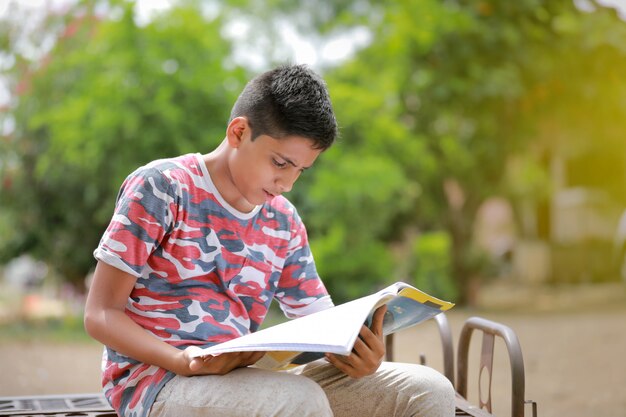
(197,248)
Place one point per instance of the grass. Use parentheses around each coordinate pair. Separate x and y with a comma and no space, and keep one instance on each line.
(70,329)
(64,330)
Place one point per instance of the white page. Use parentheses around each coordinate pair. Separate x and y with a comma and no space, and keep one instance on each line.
(332,330)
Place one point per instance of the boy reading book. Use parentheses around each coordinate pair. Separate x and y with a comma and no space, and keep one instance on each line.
(197,248)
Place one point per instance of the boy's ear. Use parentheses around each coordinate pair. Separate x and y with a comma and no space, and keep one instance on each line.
(237,130)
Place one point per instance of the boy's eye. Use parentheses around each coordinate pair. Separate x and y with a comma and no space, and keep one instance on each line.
(279,164)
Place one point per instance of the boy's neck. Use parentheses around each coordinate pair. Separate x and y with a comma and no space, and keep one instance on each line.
(217,164)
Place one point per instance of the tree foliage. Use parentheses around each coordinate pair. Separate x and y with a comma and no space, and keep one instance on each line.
(435,115)
(452,92)
(109,97)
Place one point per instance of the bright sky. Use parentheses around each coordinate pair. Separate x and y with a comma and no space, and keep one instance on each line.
(620,5)
(303,50)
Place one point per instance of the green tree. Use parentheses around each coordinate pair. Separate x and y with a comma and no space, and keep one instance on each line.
(348,207)
(110,95)
(431,113)
(451,91)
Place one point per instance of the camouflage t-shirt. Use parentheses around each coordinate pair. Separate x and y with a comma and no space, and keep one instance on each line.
(206,273)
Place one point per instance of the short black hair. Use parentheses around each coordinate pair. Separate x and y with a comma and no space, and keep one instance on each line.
(288,100)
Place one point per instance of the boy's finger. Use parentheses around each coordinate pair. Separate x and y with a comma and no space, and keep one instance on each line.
(340,362)
(196,364)
(252,358)
(377,320)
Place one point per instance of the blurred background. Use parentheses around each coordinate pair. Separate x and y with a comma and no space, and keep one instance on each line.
(482,158)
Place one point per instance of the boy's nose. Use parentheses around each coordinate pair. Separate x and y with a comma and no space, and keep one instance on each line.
(284,186)
(286,181)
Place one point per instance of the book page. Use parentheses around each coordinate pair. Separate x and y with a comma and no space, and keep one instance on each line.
(409,308)
(333,330)
(422,297)
(404,312)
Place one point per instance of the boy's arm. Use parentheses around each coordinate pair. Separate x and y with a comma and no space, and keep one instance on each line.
(107,322)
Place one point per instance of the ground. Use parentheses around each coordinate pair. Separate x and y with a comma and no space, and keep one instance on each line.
(573,343)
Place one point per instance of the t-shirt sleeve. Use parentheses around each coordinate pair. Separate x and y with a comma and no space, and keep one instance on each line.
(144,213)
(300,289)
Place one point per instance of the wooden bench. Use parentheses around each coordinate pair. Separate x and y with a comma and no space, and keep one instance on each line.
(95,405)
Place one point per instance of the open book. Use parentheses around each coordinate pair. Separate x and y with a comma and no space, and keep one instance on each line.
(334,330)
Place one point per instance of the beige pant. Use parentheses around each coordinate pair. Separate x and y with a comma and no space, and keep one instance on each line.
(317,390)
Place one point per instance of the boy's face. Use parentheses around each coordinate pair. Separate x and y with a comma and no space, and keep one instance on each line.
(267,167)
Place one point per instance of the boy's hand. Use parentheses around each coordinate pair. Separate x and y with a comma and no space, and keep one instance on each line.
(216,365)
(368,351)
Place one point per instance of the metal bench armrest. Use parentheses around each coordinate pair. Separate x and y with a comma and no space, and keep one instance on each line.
(491,329)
